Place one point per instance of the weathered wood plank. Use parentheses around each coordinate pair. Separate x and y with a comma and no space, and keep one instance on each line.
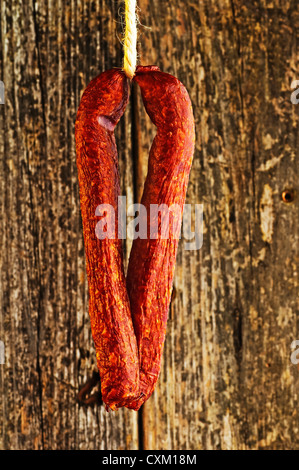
(227,381)
(50,51)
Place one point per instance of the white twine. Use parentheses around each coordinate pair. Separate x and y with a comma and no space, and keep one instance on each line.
(130,42)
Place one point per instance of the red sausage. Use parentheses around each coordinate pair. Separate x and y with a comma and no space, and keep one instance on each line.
(152,261)
(101,107)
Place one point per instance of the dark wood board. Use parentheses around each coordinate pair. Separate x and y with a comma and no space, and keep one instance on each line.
(227,380)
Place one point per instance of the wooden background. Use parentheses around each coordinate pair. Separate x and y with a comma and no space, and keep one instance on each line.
(227,381)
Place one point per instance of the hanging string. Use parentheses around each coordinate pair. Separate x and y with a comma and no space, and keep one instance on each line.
(130,42)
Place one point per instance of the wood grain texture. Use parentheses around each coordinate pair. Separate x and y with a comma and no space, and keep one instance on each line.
(227,381)
(49,54)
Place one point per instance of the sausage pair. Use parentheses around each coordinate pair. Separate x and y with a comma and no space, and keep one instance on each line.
(128,315)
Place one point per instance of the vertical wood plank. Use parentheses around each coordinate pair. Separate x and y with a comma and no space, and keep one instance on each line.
(227,381)
(49,53)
